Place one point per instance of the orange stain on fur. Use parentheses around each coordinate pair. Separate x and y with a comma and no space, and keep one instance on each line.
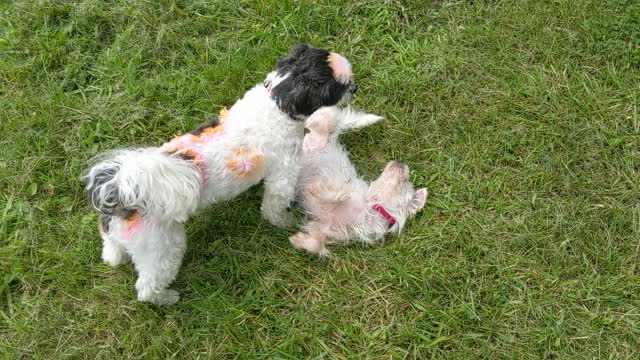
(195,156)
(224,112)
(133,223)
(187,140)
(246,163)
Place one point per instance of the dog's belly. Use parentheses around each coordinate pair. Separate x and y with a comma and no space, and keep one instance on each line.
(329,165)
(225,189)
(230,172)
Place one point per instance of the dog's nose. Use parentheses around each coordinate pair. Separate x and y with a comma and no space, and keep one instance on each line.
(399,163)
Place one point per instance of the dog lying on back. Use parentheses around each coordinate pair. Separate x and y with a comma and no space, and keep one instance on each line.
(144,196)
(338,204)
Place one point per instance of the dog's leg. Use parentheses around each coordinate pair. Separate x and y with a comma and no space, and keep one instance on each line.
(320,125)
(279,192)
(312,242)
(157,251)
(113,253)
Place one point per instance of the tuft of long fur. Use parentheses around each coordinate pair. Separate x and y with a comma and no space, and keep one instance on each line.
(154,183)
(348,118)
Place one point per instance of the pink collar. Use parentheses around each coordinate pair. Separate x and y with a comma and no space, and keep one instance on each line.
(377,207)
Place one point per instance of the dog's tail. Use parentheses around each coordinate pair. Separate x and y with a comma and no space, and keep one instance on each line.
(147,181)
(326,124)
(348,118)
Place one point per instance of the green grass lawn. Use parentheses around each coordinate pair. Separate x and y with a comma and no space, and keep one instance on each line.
(521,117)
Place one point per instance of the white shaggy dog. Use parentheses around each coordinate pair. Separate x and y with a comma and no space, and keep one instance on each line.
(339,205)
(144,196)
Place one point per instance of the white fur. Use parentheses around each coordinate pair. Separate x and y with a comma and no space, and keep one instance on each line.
(167,189)
(166,186)
(338,203)
(146,195)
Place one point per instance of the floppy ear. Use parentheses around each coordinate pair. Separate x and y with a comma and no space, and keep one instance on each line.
(418,201)
(293,98)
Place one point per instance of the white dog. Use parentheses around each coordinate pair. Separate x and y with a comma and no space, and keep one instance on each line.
(339,205)
(144,196)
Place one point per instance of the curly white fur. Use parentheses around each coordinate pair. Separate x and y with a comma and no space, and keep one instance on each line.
(338,203)
(145,195)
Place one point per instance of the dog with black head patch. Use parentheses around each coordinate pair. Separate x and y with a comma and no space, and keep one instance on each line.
(144,196)
(300,87)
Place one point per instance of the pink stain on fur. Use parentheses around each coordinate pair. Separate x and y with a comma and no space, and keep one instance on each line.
(134,225)
(246,163)
(341,67)
(189,144)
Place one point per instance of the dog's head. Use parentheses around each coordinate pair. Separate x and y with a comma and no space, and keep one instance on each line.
(310,78)
(395,193)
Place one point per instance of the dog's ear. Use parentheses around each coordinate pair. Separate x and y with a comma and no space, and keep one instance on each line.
(294,97)
(418,201)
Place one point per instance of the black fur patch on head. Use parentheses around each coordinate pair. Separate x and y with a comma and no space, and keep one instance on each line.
(309,83)
(107,204)
(214,122)
(105,221)
(103,181)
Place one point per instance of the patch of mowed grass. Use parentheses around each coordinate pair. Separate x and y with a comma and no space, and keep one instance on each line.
(521,117)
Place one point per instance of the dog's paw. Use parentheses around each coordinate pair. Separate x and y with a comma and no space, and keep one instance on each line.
(283,219)
(114,255)
(162,297)
(167,297)
(302,241)
(298,240)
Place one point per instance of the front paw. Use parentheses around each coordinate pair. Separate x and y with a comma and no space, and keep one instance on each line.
(148,293)
(280,219)
(163,297)
(114,255)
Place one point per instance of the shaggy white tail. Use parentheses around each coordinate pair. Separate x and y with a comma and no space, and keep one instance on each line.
(154,183)
(348,118)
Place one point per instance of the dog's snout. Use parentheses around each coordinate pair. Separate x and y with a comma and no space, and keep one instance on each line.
(401,167)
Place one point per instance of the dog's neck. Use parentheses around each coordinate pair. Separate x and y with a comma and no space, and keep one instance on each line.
(276,99)
(380,209)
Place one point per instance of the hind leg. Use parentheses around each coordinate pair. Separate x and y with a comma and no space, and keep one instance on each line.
(312,242)
(113,253)
(157,252)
